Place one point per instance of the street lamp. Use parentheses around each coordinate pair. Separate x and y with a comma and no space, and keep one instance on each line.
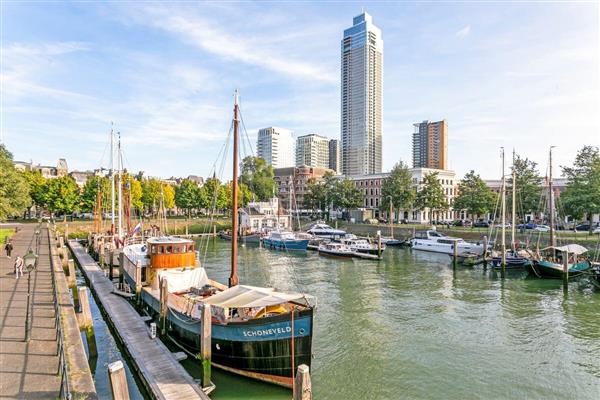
(30,261)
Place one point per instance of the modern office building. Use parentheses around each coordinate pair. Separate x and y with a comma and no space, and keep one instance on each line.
(312,151)
(276,146)
(334,155)
(361,102)
(430,145)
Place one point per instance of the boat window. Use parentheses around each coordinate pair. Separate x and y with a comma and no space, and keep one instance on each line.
(184,248)
(168,249)
(153,249)
(159,249)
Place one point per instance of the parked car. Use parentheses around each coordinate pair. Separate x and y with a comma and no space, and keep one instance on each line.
(585,226)
(528,225)
(542,228)
(481,224)
(462,222)
(505,225)
(597,230)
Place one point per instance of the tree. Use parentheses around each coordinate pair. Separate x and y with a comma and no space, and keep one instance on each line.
(346,195)
(90,192)
(135,192)
(528,188)
(36,184)
(14,192)
(151,194)
(474,195)
(582,195)
(399,187)
(314,195)
(168,196)
(63,195)
(431,195)
(186,195)
(259,177)
(216,194)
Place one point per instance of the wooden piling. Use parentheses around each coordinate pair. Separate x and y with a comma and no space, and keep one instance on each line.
(566,266)
(121,270)
(455,253)
(110,265)
(205,343)
(85,321)
(164,296)
(61,242)
(379,244)
(118,380)
(303,384)
(71,271)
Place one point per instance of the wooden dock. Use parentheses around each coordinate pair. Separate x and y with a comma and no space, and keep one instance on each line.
(158,368)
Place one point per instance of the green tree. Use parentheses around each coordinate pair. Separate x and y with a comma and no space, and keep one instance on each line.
(90,192)
(63,195)
(529,186)
(259,177)
(582,195)
(474,195)
(151,189)
(186,195)
(431,195)
(315,196)
(36,184)
(168,196)
(14,191)
(345,195)
(399,187)
(135,192)
(216,194)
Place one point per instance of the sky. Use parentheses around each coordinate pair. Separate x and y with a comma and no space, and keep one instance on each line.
(522,75)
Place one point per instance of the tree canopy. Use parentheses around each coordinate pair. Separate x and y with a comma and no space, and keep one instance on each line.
(582,195)
(339,193)
(14,191)
(528,188)
(399,187)
(92,186)
(258,176)
(474,195)
(431,195)
(63,195)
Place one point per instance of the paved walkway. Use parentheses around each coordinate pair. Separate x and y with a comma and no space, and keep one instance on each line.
(27,370)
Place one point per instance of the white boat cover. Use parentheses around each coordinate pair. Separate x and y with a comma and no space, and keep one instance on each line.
(571,248)
(180,280)
(250,296)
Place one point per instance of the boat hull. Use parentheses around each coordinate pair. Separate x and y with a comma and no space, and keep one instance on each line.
(259,349)
(335,254)
(292,245)
(425,245)
(254,238)
(547,269)
(511,262)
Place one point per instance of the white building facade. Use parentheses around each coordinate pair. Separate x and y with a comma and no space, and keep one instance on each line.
(276,146)
(312,151)
(361,97)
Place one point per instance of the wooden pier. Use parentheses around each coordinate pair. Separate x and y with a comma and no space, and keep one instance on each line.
(158,368)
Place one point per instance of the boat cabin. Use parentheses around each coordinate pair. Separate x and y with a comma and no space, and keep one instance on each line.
(171,252)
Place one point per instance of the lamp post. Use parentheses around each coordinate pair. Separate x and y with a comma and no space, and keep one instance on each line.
(30,260)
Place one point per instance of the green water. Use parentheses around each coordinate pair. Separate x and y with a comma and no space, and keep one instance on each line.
(411,327)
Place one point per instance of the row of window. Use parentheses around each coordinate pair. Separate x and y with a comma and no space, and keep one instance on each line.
(171,248)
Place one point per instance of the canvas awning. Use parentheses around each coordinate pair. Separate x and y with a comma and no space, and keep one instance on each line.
(250,296)
(571,248)
(179,281)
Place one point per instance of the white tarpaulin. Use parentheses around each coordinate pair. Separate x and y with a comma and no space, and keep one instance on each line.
(250,296)
(182,280)
(571,248)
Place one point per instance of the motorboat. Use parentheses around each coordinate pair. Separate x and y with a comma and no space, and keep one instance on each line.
(284,240)
(323,230)
(434,241)
(363,246)
(335,249)
(250,238)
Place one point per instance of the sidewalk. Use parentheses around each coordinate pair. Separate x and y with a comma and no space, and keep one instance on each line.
(27,370)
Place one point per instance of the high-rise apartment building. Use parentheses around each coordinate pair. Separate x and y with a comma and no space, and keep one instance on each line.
(362,79)
(276,146)
(334,155)
(430,145)
(312,151)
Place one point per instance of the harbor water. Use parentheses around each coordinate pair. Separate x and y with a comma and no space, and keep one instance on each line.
(412,327)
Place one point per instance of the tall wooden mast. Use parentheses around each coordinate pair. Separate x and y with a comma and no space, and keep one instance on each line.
(551,201)
(514,206)
(503,213)
(233,278)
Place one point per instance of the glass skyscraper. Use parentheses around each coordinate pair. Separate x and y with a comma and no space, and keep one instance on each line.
(362,80)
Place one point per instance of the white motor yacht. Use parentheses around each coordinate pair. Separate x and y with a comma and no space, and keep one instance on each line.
(436,242)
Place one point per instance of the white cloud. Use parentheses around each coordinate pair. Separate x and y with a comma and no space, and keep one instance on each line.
(464,32)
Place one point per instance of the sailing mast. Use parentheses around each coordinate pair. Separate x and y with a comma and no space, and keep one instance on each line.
(503,212)
(551,200)
(233,278)
(120,166)
(112,180)
(391,218)
(514,207)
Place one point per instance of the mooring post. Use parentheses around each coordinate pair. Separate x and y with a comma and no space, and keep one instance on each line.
(205,343)
(118,380)
(61,242)
(378,244)
(214,231)
(110,265)
(485,248)
(566,267)
(85,321)
(121,261)
(303,384)
(455,253)
(67,232)
(164,298)
(71,271)
(138,281)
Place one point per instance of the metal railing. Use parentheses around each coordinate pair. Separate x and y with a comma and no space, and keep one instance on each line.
(65,391)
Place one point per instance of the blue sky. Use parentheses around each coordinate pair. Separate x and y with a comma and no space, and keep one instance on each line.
(523,74)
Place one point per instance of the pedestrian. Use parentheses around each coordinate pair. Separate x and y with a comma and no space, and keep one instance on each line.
(19,266)
(8,248)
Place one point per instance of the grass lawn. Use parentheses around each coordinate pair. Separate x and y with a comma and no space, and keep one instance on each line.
(5,233)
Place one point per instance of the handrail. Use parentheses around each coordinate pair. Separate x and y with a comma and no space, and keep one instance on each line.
(65,392)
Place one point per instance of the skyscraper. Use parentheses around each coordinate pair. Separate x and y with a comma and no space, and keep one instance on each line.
(312,151)
(334,155)
(276,146)
(362,78)
(430,145)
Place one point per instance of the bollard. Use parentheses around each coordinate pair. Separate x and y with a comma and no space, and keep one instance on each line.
(61,242)
(214,231)
(566,266)
(110,265)
(303,387)
(164,298)
(205,343)
(85,322)
(118,381)
(71,271)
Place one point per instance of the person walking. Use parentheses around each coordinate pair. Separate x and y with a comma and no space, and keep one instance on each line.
(8,248)
(19,262)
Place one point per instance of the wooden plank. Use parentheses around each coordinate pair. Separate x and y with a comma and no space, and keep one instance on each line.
(160,369)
